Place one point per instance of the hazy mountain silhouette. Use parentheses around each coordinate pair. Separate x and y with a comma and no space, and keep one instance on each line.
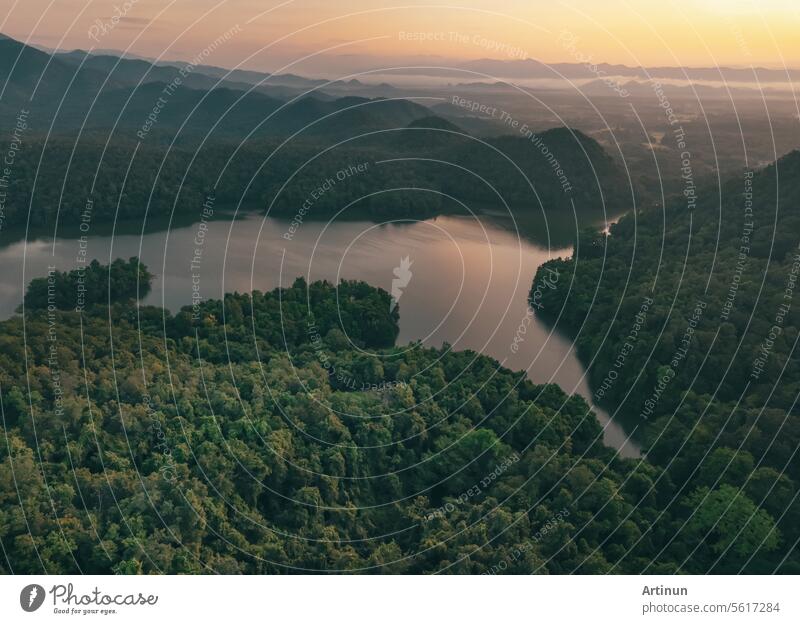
(75,90)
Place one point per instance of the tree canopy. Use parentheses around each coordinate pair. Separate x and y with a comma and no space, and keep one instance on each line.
(688,320)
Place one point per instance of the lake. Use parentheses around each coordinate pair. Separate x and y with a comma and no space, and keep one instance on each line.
(460,280)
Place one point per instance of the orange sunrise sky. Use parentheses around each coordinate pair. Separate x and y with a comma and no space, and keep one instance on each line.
(274,34)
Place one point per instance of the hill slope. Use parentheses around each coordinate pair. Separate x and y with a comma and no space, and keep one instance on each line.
(690,321)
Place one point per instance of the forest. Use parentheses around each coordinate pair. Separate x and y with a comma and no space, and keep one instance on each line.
(284,432)
(427,168)
(688,320)
(287,432)
(106,139)
(89,285)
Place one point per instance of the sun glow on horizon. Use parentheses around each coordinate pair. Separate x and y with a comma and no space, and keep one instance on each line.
(630,32)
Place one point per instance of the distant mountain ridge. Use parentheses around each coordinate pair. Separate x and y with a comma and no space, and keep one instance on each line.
(128,134)
(532,68)
(79,90)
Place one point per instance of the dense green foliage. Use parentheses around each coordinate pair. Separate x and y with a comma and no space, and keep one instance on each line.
(281,432)
(89,285)
(285,431)
(412,172)
(689,321)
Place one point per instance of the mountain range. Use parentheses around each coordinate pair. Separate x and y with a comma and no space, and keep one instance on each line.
(129,132)
(77,90)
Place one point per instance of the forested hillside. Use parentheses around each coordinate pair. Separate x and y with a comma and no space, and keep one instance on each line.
(689,321)
(414,172)
(97,139)
(283,432)
(273,464)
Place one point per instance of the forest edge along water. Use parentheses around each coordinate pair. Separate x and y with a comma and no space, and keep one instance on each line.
(457,280)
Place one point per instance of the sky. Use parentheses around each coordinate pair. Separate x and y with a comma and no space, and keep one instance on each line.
(308,36)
